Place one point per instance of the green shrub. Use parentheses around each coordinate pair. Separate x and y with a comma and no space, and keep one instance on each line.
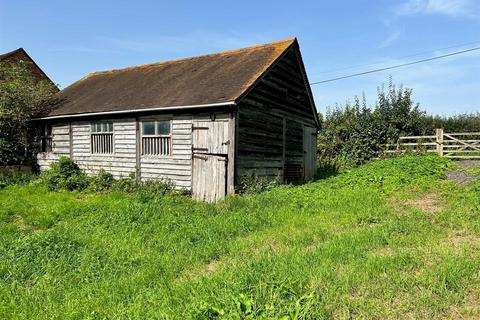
(65,174)
(10,177)
(128,184)
(357,133)
(326,168)
(353,134)
(255,184)
(150,189)
(103,181)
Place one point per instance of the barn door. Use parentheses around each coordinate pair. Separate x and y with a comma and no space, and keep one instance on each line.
(209,157)
(309,151)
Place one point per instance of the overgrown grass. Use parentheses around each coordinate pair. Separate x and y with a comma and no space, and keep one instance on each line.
(351,245)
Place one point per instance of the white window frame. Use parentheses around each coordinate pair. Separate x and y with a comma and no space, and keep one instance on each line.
(109,132)
(156,135)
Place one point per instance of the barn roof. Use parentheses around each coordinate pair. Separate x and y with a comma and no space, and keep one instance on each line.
(213,79)
(20,54)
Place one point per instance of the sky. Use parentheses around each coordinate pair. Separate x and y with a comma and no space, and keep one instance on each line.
(70,39)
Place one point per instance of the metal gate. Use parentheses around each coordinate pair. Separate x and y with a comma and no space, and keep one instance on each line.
(209,160)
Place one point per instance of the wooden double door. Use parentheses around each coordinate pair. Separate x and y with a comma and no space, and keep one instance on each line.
(210,146)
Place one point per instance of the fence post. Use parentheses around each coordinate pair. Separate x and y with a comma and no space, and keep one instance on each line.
(439,134)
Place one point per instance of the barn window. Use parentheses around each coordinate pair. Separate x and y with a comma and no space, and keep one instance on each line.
(102,137)
(46,138)
(156,137)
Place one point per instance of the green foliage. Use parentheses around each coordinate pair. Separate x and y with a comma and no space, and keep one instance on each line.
(22,97)
(254,184)
(151,189)
(396,172)
(353,245)
(15,176)
(65,174)
(354,134)
(456,123)
(103,181)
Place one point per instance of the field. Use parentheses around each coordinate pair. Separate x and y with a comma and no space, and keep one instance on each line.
(391,239)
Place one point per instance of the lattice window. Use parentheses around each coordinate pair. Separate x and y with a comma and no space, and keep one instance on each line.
(156,137)
(102,137)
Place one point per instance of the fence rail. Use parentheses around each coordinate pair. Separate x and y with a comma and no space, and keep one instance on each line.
(458,145)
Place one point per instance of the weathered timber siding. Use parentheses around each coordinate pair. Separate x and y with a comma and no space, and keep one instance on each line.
(276,109)
(177,166)
(120,164)
(60,145)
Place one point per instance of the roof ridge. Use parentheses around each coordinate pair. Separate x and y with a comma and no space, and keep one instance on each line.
(226,52)
(8,54)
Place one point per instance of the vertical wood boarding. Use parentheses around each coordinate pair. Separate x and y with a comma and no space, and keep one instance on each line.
(309,146)
(211,144)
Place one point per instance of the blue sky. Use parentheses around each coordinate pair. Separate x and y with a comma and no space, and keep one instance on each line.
(69,39)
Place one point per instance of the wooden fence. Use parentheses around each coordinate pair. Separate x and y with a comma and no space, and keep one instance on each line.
(459,145)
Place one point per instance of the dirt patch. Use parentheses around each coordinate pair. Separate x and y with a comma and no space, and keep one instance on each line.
(463,174)
(428,202)
(23,226)
(463,238)
(468,309)
(462,177)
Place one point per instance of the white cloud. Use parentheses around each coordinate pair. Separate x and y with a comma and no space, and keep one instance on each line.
(453,8)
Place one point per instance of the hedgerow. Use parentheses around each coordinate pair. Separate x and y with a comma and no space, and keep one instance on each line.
(353,134)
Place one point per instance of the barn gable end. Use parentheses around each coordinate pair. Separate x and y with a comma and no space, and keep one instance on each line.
(272,119)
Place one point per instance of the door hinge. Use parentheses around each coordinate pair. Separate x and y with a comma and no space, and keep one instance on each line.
(199,128)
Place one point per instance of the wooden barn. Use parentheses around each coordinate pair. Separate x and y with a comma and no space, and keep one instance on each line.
(202,122)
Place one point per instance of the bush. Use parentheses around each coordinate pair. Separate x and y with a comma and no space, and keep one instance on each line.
(356,133)
(353,134)
(128,184)
(65,174)
(103,181)
(153,188)
(9,177)
(254,184)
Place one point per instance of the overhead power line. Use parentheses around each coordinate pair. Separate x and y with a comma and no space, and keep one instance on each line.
(430,52)
(397,66)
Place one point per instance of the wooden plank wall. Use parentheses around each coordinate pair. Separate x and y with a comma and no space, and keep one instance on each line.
(176,167)
(121,163)
(279,99)
(60,146)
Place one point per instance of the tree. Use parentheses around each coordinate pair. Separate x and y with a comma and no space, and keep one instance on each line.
(23,96)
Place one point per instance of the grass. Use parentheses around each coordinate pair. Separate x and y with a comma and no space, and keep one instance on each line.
(356,245)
